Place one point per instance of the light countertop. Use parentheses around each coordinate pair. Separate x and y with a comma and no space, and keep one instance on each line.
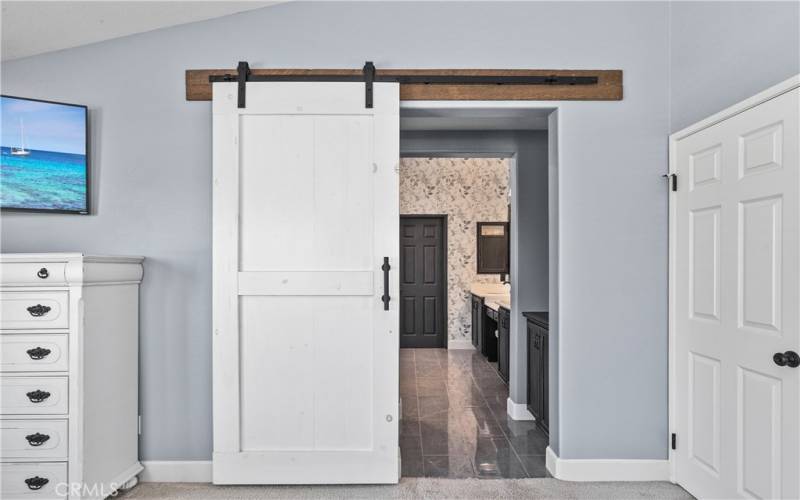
(495,295)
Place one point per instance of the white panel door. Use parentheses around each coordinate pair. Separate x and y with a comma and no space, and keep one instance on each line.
(736,304)
(305,380)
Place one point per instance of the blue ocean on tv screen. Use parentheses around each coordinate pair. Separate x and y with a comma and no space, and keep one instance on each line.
(44,180)
(42,156)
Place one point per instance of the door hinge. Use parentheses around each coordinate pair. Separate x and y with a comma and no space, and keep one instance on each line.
(139,425)
(674,441)
(673,181)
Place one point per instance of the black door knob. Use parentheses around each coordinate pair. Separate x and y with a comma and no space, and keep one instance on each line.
(43,273)
(788,358)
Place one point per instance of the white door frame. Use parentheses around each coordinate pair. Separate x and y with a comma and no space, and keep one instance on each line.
(751,102)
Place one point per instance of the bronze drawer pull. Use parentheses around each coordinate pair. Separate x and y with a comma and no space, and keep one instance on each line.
(38,352)
(36,483)
(37,396)
(38,310)
(37,439)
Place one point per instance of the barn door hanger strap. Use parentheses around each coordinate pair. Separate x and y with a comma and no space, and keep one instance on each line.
(369,75)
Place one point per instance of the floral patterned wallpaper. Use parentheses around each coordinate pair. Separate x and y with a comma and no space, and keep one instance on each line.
(468,191)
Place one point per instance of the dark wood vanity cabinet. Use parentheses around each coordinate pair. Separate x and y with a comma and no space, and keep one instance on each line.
(503,348)
(477,322)
(538,367)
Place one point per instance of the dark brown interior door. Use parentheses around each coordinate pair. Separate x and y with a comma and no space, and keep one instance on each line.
(423,287)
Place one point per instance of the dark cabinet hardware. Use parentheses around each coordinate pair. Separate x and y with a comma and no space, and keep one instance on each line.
(788,358)
(38,310)
(38,352)
(386,267)
(37,439)
(36,482)
(43,273)
(37,396)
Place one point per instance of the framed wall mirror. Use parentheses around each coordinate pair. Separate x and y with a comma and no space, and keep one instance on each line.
(493,248)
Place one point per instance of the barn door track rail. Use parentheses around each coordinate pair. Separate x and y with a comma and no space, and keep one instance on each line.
(430,84)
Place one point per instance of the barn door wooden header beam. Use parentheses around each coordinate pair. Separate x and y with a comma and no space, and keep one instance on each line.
(433,84)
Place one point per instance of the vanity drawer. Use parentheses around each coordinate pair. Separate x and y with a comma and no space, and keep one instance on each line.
(33,274)
(33,396)
(37,352)
(40,439)
(33,480)
(34,310)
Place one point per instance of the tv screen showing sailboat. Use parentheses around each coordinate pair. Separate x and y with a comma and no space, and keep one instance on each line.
(44,164)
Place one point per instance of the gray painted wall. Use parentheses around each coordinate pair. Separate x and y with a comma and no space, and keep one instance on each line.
(529,221)
(724,52)
(152,178)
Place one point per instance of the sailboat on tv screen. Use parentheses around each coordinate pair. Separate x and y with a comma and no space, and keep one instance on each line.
(20,151)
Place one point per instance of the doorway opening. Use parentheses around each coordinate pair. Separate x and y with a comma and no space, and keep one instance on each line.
(465,398)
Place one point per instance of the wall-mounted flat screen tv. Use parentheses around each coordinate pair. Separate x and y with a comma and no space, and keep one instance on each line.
(44,156)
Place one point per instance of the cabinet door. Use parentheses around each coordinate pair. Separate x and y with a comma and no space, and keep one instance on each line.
(474,324)
(503,345)
(479,314)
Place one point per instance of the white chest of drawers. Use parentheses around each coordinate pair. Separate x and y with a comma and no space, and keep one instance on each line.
(69,343)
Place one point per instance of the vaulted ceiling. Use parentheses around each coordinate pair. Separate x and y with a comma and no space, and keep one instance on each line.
(30,28)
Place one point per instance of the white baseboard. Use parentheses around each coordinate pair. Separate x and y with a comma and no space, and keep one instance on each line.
(518,411)
(459,344)
(606,470)
(176,471)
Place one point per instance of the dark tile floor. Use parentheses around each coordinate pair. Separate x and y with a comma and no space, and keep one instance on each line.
(455,423)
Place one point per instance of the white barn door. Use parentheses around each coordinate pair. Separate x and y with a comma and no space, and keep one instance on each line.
(736,309)
(305,380)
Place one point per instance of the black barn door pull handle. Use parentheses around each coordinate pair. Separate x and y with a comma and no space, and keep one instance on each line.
(385,297)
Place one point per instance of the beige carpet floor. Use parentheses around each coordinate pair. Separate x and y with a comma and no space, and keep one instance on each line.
(423,488)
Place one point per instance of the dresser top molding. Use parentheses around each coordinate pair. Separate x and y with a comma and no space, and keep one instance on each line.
(69,256)
(68,269)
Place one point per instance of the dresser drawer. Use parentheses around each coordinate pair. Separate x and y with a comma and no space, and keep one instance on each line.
(35,352)
(33,480)
(40,439)
(34,310)
(33,274)
(33,396)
